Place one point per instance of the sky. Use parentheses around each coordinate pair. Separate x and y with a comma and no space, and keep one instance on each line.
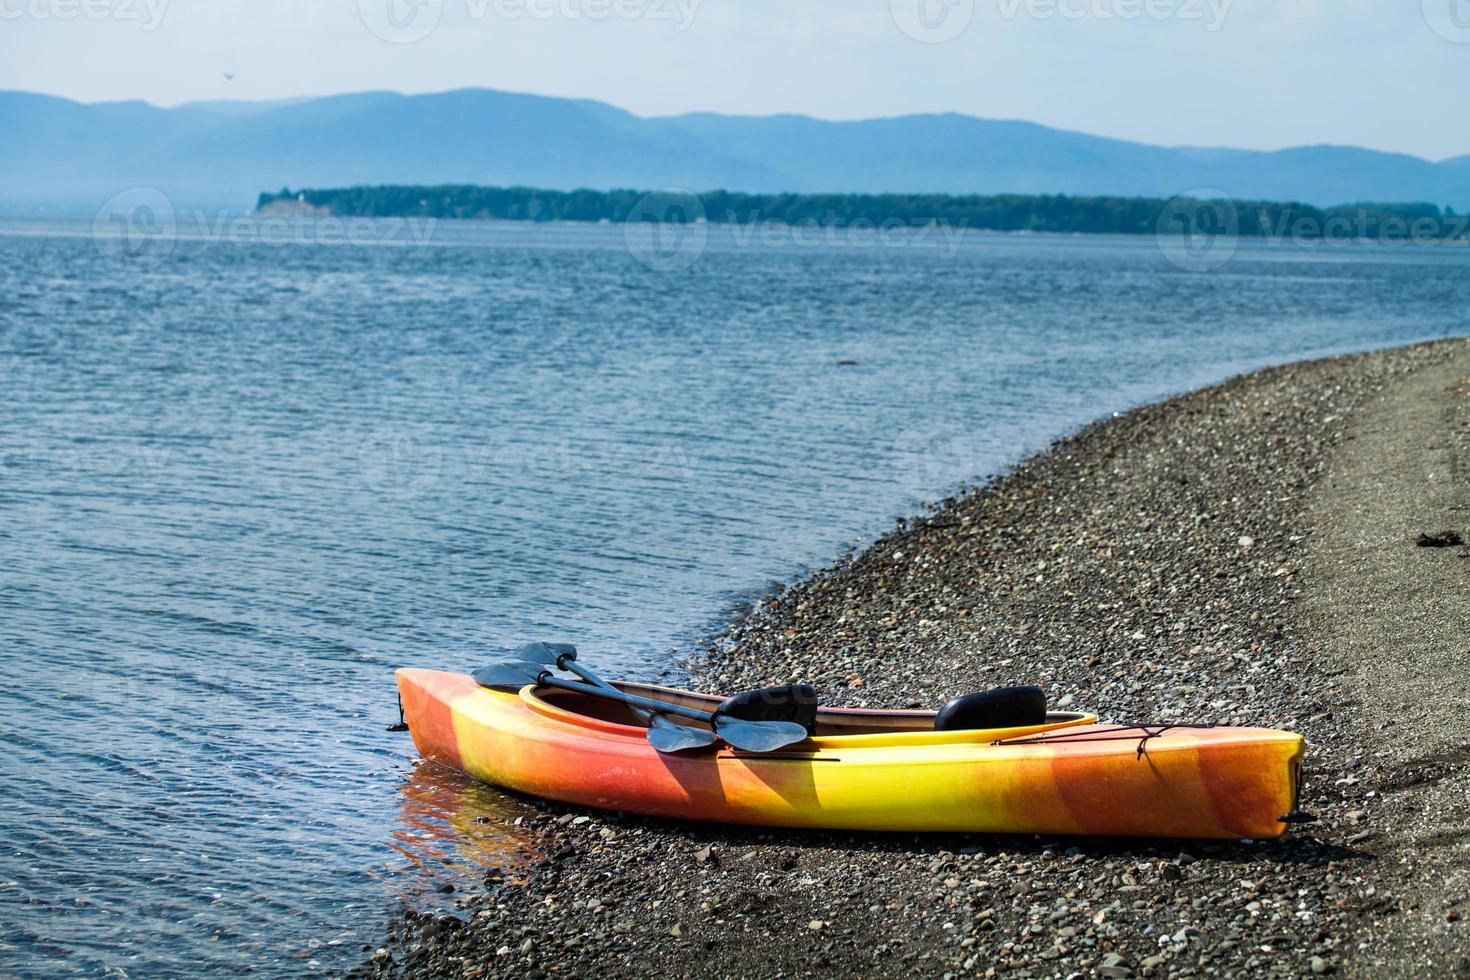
(1386,74)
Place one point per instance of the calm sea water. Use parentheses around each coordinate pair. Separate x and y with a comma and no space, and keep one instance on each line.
(242,480)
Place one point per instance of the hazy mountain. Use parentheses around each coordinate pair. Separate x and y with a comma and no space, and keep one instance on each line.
(64,154)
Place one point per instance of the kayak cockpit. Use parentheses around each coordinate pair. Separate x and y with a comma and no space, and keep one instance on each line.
(834,726)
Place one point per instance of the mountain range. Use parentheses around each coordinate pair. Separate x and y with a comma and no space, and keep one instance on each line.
(60,154)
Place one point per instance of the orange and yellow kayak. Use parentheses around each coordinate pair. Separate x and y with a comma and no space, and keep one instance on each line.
(867,770)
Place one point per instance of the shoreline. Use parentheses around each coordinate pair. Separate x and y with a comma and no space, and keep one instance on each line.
(1205,558)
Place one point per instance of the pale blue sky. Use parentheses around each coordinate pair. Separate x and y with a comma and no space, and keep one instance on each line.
(1388,74)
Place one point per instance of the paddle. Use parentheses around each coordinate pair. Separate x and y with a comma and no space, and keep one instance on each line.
(663,734)
(749,736)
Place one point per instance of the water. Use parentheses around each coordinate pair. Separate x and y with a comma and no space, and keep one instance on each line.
(240,482)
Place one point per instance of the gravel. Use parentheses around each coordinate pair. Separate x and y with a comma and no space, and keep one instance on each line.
(1191,560)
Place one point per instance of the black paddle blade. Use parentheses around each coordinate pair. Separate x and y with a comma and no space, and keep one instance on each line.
(510,676)
(759,736)
(546,653)
(668,737)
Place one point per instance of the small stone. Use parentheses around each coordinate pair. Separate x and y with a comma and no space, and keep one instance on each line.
(677,930)
(1321,966)
(1444,539)
(815,925)
(527,946)
(702,855)
(381,955)
(1453,915)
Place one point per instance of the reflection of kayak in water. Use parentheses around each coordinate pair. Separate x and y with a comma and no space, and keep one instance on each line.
(451,822)
(867,770)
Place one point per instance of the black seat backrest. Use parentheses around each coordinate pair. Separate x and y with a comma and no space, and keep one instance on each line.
(791,702)
(1004,707)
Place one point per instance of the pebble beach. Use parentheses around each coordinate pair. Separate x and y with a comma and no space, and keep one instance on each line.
(1279,550)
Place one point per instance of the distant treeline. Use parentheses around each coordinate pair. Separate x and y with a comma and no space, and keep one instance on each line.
(1060,213)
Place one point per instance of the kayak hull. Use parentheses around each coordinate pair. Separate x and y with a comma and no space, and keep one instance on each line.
(1067,777)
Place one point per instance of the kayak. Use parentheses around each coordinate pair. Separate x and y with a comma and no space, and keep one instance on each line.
(867,769)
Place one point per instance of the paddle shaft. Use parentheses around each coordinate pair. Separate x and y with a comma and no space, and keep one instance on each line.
(751,736)
(569,662)
(663,733)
